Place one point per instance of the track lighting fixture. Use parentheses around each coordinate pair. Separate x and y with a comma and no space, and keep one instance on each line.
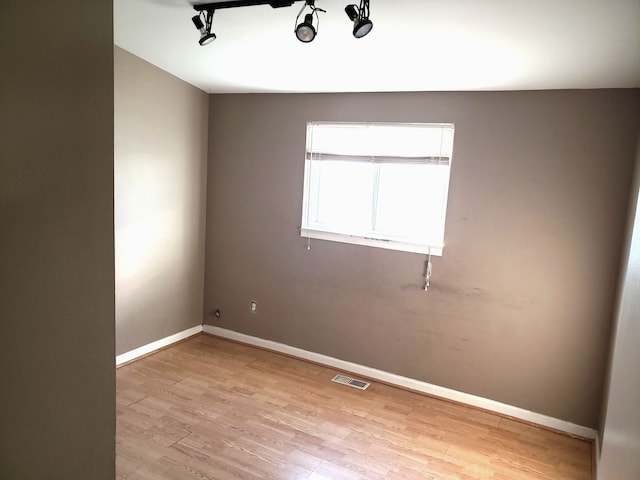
(305,31)
(206,37)
(360,18)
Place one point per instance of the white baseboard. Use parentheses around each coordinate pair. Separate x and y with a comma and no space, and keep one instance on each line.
(596,456)
(158,344)
(409,383)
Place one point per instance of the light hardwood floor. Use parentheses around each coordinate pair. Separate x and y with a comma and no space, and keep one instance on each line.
(208,408)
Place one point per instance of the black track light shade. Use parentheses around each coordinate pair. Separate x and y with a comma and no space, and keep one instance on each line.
(207,38)
(362,27)
(305,32)
(359,15)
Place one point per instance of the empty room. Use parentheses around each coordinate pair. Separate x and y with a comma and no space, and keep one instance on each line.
(321,240)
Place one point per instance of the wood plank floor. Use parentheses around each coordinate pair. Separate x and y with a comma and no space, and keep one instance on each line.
(212,409)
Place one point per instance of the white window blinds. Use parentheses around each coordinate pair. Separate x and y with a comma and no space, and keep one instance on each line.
(382,185)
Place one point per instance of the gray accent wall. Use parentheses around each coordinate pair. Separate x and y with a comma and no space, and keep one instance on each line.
(620,426)
(57,380)
(160,189)
(521,302)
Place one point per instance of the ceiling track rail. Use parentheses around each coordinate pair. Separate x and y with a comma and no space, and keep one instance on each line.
(243,3)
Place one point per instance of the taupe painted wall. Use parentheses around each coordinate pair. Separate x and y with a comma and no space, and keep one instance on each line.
(620,427)
(160,190)
(57,408)
(521,302)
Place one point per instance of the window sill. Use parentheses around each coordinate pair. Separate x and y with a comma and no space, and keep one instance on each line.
(371,242)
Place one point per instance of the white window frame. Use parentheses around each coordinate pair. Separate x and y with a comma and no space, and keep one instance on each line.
(375,239)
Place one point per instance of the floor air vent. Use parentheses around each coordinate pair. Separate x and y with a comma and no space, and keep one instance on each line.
(352,382)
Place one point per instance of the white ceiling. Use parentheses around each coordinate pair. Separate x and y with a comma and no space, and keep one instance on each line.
(415,45)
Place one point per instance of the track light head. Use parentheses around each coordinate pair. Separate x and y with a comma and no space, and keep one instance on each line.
(206,37)
(362,27)
(305,32)
(360,18)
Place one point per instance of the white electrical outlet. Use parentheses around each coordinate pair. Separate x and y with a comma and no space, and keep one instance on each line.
(254,306)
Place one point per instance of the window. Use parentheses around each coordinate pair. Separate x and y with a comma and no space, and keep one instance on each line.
(382,185)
